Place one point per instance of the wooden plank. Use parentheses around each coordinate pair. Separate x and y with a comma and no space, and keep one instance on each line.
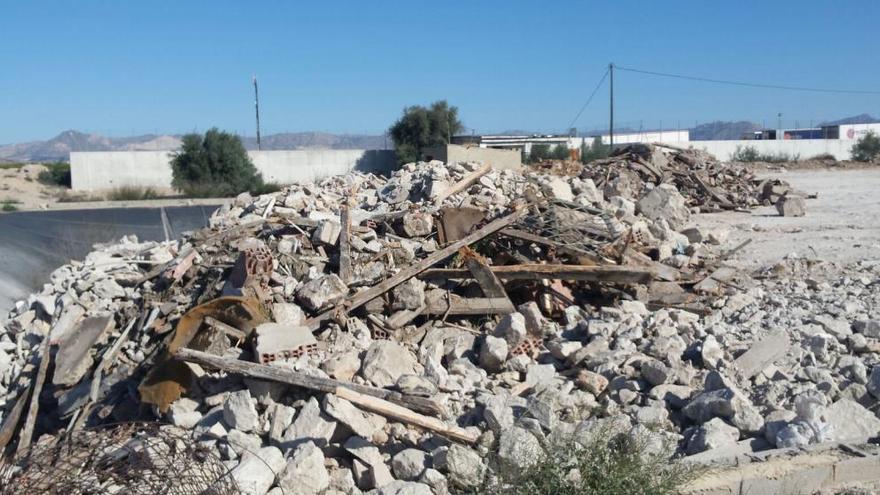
(404,415)
(464,183)
(411,271)
(582,257)
(298,379)
(10,421)
(471,306)
(659,270)
(610,273)
(27,431)
(345,245)
(491,285)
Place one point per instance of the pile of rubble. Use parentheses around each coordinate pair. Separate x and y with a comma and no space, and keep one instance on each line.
(367,333)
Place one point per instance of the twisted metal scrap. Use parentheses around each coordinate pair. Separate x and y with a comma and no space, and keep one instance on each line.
(568,224)
(132,458)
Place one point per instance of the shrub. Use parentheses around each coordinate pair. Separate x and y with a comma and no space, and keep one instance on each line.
(866,148)
(539,152)
(58,174)
(215,164)
(420,127)
(595,151)
(560,152)
(602,465)
(132,193)
(9,205)
(751,154)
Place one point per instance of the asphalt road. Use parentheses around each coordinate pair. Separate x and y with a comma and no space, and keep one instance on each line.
(34,243)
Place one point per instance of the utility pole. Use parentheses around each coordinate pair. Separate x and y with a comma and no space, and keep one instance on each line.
(257,108)
(611,113)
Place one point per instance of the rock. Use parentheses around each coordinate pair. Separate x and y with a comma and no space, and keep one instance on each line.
(360,422)
(288,313)
(398,487)
(655,372)
(305,472)
(327,233)
(240,412)
(712,434)
(725,403)
(868,328)
(558,188)
(243,442)
(849,421)
(343,366)
(464,465)
(385,361)
(74,358)
(493,353)
(255,472)
(281,417)
(416,385)
(409,295)
(322,291)
(593,383)
(665,203)
(418,224)
(873,384)
(540,373)
(378,474)
(791,205)
(711,352)
(519,448)
(533,317)
(183,413)
(409,464)
(498,414)
(436,481)
(511,328)
(311,425)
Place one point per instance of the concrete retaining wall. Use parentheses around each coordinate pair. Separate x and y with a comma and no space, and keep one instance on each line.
(806,148)
(498,158)
(102,170)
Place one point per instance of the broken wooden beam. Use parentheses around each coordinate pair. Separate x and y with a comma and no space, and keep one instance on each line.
(404,415)
(464,183)
(299,379)
(457,305)
(411,271)
(610,273)
(27,431)
(345,245)
(582,257)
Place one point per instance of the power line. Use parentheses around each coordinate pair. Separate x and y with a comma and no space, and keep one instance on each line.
(584,107)
(750,84)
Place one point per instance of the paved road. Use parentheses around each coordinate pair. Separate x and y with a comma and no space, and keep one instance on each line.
(34,243)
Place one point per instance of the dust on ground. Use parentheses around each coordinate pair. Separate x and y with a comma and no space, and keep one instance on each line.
(21,187)
(841,225)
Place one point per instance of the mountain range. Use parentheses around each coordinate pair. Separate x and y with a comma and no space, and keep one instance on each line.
(59,147)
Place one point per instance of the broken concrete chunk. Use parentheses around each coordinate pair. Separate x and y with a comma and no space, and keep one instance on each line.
(276,341)
(409,295)
(255,472)
(288,313)
(713,434)
(519,448)
(464,465)
(493,353)
(311,425)
(360,422)
(791,205)
(385,361)
(418,224)
(665,203)
(512,328)
(74,358)
(305,472)
(322,292)
(409,464)
(240,412)
(327,233)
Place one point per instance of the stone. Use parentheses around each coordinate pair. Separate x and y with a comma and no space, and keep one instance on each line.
(107,289)
(327,233)
(534,319)
(592,382)
(498,414)
(280,419)
(493,353)
(464,465)
(762,354)
(399,487)
(519,448)
(288,313)
(255,472)
(726,403)
(409,464)
(360,422)
(791,205)
(240,412)
(416,385)
(378,474)
(713,434)
(558,188)
(711,352)
(849,421)
(868,328)
(243,442)
(321,292)
(311,425)
(655,372)
(305,472)
(418,224)
(540,373)
(562,349)
(276,341)
(183,413)
(511,328)
(342,366)
(385,361)
(665,203)
(74,358)
(409,295)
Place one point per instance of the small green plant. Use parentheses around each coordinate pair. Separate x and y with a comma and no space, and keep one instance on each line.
(9,205)
(58,174)
(595,151)
(214,164)
(6,166)
(750,154)
(604,464)
(866,148)
(132,193)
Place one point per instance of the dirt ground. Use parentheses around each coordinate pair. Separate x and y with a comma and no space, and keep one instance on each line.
(21,187)
(841,225)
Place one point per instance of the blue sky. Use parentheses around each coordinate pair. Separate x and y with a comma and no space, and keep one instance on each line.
(122,68)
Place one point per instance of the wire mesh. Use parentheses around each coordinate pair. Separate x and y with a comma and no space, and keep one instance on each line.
(130,458)
(571,225)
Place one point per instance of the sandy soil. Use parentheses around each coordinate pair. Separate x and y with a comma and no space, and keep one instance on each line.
(21,187)
(841,225)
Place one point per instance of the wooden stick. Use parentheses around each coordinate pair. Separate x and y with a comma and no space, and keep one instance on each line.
(298,379)
(404,415)
(27,431)
(536,271)
(411,271)
(464,183)
(458,305)
(345,245)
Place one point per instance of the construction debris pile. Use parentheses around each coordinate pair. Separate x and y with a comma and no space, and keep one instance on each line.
(404,334)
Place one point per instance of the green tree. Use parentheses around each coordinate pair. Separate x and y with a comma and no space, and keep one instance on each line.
(420,127)
(539,152)
(866,148)
(560,152)
(215,164)
(595,151)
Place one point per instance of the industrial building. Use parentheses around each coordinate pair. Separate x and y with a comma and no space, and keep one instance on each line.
(524,143)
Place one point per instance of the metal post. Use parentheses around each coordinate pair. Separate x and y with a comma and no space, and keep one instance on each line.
(257,108)
(611,113)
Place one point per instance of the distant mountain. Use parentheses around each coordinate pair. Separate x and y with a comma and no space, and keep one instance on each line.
(858,119)
(59,147)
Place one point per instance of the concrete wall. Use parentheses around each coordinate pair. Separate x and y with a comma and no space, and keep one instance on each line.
(101,170)
(806,148)
(498,158)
